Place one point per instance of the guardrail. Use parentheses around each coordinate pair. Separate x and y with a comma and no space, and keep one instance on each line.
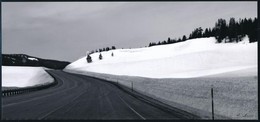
(11,92)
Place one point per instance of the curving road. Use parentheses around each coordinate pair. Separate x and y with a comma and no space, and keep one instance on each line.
(82,97)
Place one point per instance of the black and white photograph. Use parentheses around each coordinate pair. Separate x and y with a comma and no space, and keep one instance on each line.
(129,60)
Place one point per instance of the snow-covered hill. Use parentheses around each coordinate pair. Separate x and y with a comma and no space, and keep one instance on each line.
(17,76)
(182,75)
(192,58)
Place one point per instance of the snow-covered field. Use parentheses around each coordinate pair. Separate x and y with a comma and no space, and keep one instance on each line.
(18,76)
(182,75)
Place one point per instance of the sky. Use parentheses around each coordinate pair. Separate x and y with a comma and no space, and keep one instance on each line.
(66,30)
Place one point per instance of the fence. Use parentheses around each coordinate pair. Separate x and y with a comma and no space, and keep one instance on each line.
(10,92)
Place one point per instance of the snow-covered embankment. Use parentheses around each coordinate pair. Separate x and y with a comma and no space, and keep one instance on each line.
(18,76)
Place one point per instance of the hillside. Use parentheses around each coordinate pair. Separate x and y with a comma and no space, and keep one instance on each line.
(26,60)
(192,58)
(182,75)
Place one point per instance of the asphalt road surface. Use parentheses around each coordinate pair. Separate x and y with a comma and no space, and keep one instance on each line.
(78,97)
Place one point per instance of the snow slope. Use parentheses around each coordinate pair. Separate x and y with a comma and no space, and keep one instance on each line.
(15,76)
(192,58)
(182,75)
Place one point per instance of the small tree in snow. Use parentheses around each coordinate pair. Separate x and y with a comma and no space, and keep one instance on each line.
(113,47)
(112,54)
(100,56)
(89,59)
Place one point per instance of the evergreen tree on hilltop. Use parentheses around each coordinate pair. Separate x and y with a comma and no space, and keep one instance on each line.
(206,33)
(179,40)
(107,49)
(113,47)
(100,57)
(221,30)
(252,30)
(150,44)
(164,42)
(197,33)
(89,59)
(169,40)
(184,38)
(232,30)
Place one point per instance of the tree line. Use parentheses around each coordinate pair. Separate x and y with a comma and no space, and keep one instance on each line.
(89,59)
(223,31)
(103,49)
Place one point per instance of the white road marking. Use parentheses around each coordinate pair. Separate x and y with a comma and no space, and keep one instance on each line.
(132,108)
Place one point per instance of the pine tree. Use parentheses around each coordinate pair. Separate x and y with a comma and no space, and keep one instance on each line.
(113,47)
(221,30)
(199,34)
(112,54)
(89,59)
(164,42)
(232,30)
(100,57)
(206,33)
(174,41)
(253,37)
(107,49)
(252,30)
(150,44)
(184,38)
(179,40)
(169,40)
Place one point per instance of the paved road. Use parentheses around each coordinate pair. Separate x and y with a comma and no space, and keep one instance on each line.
(81,97)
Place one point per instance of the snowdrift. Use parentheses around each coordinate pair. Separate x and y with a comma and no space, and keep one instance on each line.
(192,58)
(15,76)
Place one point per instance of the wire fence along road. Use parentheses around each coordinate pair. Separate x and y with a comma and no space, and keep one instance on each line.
(78,97)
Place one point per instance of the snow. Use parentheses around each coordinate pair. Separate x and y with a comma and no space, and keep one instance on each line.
(182,75)
(18,76)
(33,59)
(192,58)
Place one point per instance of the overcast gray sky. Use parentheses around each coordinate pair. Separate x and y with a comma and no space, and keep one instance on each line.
(66,30)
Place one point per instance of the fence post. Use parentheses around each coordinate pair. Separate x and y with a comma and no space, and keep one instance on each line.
(132,86)
(212,102)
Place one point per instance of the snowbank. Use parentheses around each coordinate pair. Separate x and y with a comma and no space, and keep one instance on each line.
(192,58)
(15,76)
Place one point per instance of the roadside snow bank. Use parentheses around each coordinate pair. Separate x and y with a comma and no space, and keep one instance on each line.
(15,76)
(192,58)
